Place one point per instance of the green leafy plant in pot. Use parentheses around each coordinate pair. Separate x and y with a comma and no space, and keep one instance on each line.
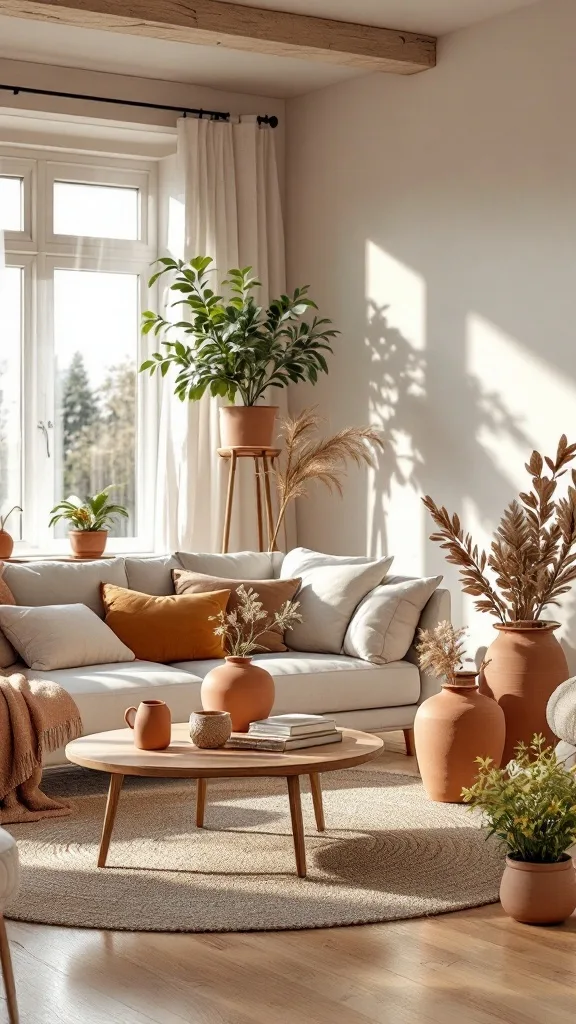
(530,565)
(90,521)
(233,348)
(6,540)
(531,808)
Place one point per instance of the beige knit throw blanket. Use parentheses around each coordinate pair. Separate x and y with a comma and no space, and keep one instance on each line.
(35,717)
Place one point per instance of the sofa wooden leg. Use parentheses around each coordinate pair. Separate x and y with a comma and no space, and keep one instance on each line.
(409,741)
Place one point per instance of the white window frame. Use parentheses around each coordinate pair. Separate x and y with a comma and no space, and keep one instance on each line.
(40,252)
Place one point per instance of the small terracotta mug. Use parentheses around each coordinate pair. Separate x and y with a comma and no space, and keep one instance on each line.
(152,724)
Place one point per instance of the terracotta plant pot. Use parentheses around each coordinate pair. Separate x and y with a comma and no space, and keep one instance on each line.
(88,543)
(451,729)
(240,687)
(521,670)
(247,426)
(539,893)
(152,724)
(6,544)
(210,729)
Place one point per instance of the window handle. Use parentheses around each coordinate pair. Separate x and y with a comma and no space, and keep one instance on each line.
(44,428)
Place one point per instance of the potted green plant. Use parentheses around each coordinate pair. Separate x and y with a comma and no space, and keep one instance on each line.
(90,521)
(531,563)
(531,807)
(455,726)
(6,541)
(232,347)
(245,690)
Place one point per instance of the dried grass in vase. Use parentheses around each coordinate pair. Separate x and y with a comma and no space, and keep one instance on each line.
(531,561)
(441,651)
(308,457)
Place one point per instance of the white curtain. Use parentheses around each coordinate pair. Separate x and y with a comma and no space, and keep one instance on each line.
(220,198)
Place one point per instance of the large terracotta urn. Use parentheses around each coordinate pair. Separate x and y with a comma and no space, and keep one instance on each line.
(247,426)
(243,689)
(538,893)
(521,670)
(452,728)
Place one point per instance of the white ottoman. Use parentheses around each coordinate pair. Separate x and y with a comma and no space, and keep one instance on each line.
(9,878)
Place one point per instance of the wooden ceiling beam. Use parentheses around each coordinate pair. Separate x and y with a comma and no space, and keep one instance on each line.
(215,23)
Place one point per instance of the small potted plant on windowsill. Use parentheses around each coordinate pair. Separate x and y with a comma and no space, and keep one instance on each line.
(531,807)
(245,690)
(231,347)
(6,540)
(90,522)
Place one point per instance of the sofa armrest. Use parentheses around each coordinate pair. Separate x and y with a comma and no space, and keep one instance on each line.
(438,609)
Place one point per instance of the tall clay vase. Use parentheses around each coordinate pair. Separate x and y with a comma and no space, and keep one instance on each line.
(452,728)
(538,893)
(243,689)
(152,724)
(521,670)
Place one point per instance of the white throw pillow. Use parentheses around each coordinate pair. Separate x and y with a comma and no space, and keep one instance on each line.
(61,636)
(299,559)
(239,565)
(328,598)
(44,583)
(383,625)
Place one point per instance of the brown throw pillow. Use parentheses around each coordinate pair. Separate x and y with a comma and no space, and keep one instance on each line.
(272,594)
(168,628)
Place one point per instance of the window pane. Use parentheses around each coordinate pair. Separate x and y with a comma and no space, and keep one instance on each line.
(10,397)
(11,205)
(96,355)
(95,211)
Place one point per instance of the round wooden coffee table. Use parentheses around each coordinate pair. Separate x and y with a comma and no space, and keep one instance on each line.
(114,752)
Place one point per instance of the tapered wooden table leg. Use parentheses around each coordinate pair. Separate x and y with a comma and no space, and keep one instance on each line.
(297,824)
(200,802)
(269,519)
(229,501)
(316,787)
(259,504)
(8,974)
(116,781)
(409,741)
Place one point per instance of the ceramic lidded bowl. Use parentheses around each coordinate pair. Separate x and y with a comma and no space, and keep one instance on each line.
(210,729)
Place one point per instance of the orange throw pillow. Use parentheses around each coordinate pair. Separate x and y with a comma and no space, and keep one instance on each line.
(168,628)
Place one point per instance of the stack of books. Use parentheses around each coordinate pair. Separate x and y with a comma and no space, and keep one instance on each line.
(283,733)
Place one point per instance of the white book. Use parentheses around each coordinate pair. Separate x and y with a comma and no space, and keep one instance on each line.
(293,725)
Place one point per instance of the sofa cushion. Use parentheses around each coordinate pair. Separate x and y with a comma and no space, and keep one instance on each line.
(298,559)
(272,594)
(103,692)
(239,565)
(320,683)
(166,628)
(39,583)
(383,625)
(151,575)
(7,653)
(328,598)
(61,636)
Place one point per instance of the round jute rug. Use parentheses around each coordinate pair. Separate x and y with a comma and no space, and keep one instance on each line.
(387,853)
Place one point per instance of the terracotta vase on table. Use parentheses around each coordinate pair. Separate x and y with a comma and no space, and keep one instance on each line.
(521,670)
(451,729)
(243,689)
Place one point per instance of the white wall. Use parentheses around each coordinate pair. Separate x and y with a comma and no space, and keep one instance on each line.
(435,218)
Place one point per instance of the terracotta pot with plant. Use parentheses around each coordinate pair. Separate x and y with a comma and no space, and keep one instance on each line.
(90,522)
(456,726)
(243,689)
(531,563)
(6,541)
(531,807)
(231,347)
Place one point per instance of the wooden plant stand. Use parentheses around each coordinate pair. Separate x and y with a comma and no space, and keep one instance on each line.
(267,456)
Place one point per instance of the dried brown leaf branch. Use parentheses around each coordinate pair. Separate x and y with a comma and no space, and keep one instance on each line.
(531,562)
(308,457)
(441,650)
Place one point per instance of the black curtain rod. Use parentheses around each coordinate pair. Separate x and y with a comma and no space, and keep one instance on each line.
(214,115)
